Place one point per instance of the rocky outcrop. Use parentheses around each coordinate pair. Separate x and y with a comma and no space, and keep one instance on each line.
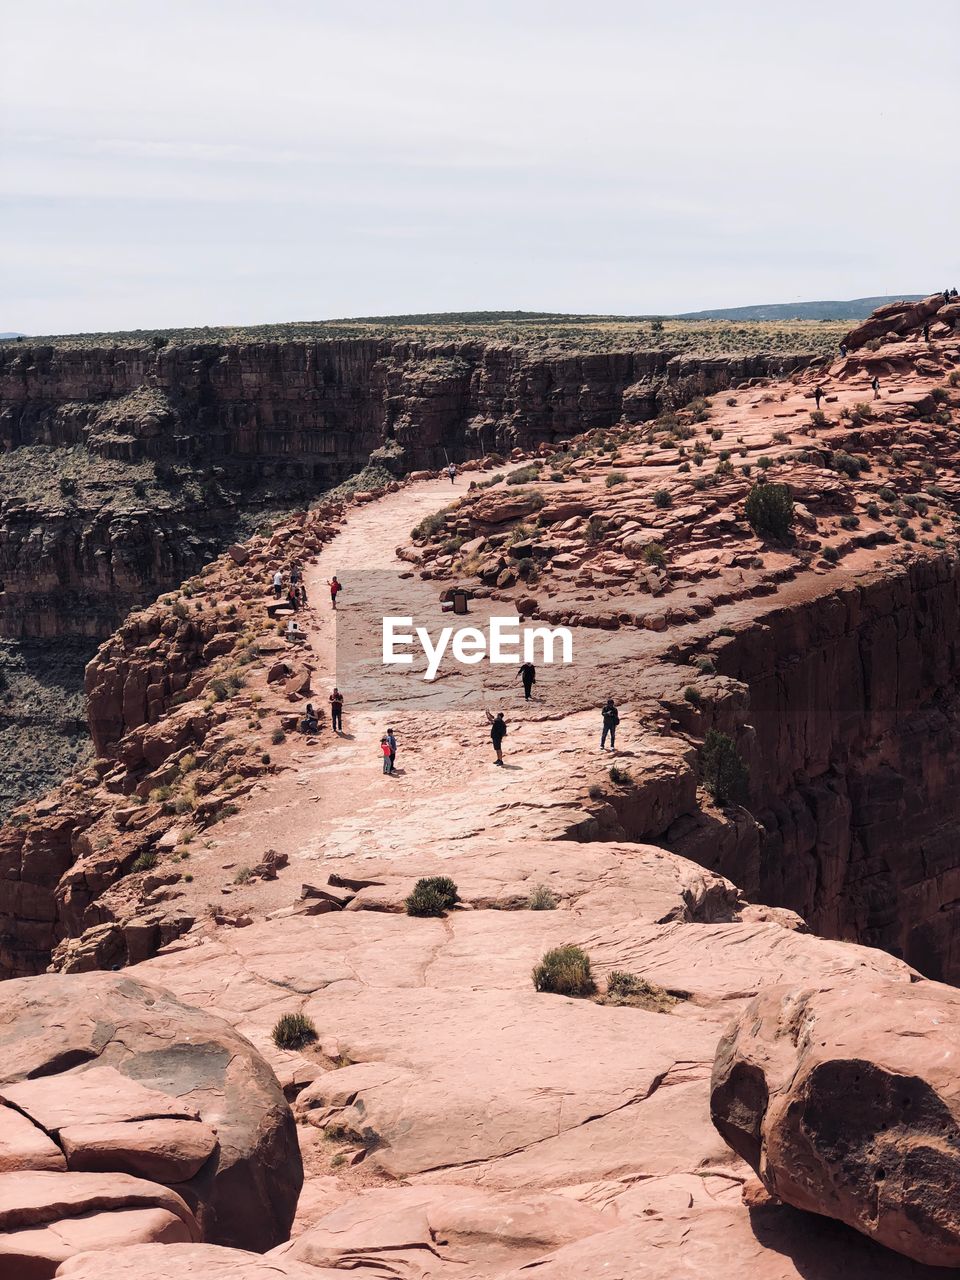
(896,318)
(110,1087)
(844,1101)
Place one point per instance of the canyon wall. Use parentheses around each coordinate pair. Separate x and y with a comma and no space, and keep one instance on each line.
(145,461)
(854,750)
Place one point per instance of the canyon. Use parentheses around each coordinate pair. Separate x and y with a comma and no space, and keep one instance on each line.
(126,468)
(774,832)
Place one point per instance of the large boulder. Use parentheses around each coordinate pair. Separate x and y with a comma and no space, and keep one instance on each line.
(119,1078)
(845,1099)
(893,317)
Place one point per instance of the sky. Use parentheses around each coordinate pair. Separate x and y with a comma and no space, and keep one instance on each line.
(170,163)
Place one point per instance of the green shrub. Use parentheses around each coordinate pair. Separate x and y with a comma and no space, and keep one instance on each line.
(723,770)
(596,528)
(565,971)
(849,522)
(542,899)
(277,737)
(662,499)
(706,666)
(831,554)
(873,511)
(615,478)
(524,475)
(620,776)
(145,862)
(693,695)
(769,509)
(818,418)
(596,792)
(431,525)
(432,896)
(653,553)
(293,1031)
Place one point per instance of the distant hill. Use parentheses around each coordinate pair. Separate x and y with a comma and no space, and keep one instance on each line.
(852,309)
(11,335)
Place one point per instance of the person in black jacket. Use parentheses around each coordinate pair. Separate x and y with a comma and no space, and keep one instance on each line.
(611,718)
(528,676)
(498,731)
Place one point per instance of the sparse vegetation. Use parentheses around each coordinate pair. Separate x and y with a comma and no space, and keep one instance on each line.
(293,1031)
(769,509)
(627,989)
(144,862)
(542,899)
(662,499)
(723,771)
(620,777)
(615,478)
(565,971)
(432,896)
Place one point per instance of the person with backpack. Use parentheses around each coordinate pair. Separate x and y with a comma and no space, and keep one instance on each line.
(392,742)
(528,674)
(498,731)
(611,718)
(335,588)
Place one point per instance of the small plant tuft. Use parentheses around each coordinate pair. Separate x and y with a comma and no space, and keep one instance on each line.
(293,1031)
(565,971)
(542,899)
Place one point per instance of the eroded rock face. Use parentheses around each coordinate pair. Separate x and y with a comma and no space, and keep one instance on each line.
(125,1087)
(845,1100)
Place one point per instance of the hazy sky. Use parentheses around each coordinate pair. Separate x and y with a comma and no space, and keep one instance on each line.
(181,162)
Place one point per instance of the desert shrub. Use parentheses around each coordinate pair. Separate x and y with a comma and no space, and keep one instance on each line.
(68,486)
(653,553)
(699,409)
(662,499)
(265,758)
(179,609)
(293,1031)
(849,522)
(873,511)
(187,762)
(620,776)
(432,896)
(524,475)
(219,689)
(627,989)
(726,631)
(831,554)
(565,971)
(862,412)
(595,792)
(429,526)
(243,876)
(596,528)
(818,418)
(615,478)
(692,695)
(886,494)
(542,899)
(845,463)
(769,509)
(764,462)
(723,770)
(706,666)
(277,737)
(145,862)
(908,535)
(724,468)
(781,437)
(159,794)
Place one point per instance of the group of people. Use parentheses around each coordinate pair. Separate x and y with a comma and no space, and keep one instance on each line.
(311,719)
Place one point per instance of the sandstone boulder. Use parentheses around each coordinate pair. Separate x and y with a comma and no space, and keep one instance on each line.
(192,1261)
(122,1079)
(845,1100)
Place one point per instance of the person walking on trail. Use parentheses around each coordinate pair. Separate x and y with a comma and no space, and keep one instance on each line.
(335,588)
(876,387)
(926,330)
(818,395)
(452,472)
(843,350)
(385,748)
(392,741)
(498,731)
(336,711)
(611,718)
(528,674)
(277,585)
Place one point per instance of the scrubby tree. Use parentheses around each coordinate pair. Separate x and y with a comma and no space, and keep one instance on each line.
(723,771)
(769,508)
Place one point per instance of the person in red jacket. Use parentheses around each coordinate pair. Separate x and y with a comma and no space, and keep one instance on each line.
(385,749)
(335,588)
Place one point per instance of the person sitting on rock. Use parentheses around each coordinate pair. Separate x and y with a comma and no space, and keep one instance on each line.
(310,723)
(611,718)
